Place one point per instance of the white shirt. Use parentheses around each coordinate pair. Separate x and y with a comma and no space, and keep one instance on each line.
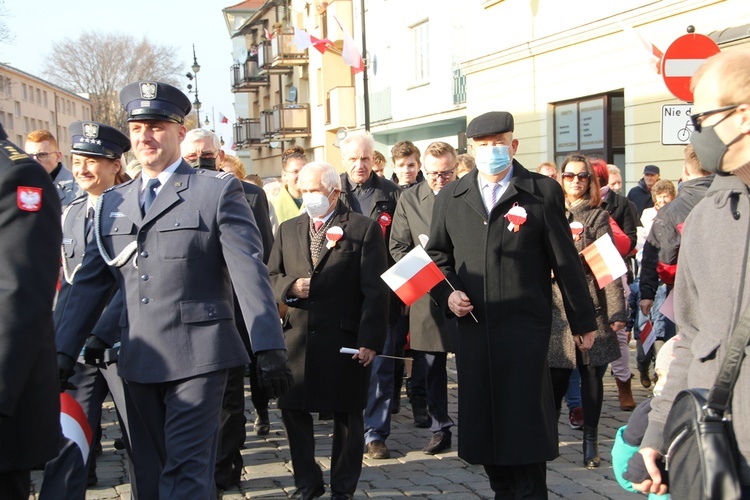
(163,177)
(485,188)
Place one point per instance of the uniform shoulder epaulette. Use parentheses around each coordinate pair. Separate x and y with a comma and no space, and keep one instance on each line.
(12,153)
(223,175)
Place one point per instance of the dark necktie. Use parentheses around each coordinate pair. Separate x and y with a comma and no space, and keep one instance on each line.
(150,195)
(89,221)
(318,225)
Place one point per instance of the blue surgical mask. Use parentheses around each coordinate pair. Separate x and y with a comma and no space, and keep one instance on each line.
(492,160)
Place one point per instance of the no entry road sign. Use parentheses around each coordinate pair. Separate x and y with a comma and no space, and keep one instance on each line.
(682,59)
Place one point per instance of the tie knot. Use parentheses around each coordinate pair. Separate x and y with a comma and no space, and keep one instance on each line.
(90,213)
(318,225)
(152,184)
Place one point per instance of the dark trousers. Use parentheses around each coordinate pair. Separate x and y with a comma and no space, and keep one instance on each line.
(174,430)
(346,450)
(515,482)
(66,475)
(232,434)
(560,378)
(15,484)
(436,384)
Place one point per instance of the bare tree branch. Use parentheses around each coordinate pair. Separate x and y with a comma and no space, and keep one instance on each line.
(101,64)
(6,36)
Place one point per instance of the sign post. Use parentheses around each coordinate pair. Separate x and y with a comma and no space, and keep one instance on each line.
(682,59)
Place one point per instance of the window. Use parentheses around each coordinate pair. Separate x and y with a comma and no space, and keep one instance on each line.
(421,45)
(19,139)
(33,124)
(26,129)
(67,106)
(2,118)
(74,109)
(18,109)
(23,91)
(38,96)
(594,126)
(8,87)
(45,99)
(10,121)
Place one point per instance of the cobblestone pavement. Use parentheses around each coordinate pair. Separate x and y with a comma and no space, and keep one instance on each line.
(408,473)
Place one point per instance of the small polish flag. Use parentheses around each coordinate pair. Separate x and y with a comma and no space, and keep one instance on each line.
(351,54)
(269,35)
(413,276)
(654,54)
(604,260)
(222,118)
(75,425)
(302,39)
(648,336)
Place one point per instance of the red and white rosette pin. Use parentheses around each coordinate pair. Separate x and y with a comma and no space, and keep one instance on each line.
(384,219)
(516,216)
(333,235)
(576,229)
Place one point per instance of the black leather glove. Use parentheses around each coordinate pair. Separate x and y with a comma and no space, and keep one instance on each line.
(274,372)
(93,352)
(65,366)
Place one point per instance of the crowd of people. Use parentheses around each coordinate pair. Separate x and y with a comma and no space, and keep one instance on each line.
(180,277)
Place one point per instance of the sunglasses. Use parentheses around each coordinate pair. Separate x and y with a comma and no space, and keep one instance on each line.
(697,118)
(582,176)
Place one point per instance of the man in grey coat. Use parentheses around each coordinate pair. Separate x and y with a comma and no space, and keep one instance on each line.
(429,330)
(177,241)
(712,283)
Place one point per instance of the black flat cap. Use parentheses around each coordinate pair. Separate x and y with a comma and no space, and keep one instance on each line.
(97,139)
(492,123)
(651,169)
(154,101)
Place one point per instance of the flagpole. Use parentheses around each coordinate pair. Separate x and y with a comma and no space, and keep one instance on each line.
(364,74)
(472,314)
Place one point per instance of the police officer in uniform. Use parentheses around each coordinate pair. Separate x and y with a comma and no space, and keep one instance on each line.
(177,240)
(96,164)
(29,238)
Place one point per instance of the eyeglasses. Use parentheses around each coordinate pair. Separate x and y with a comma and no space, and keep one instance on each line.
(582,176)
(443,175)
(697,118)
(41,156)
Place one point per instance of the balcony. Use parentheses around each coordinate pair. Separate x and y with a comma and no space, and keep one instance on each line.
(339,108)
(266,61)
(284,53)
(266,125)
(246,77)
(247,133)
(380,106)
(285,121)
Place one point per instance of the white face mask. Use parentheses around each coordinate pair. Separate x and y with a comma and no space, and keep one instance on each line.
(317,204)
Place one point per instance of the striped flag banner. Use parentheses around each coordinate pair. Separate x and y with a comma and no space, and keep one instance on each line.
(413,276)
(75,425)
(604,260)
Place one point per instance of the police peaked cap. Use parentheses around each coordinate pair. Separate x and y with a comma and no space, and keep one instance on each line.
(97,139)
(155,101)
(492,123)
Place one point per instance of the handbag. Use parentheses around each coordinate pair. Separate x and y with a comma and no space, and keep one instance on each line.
(702,458)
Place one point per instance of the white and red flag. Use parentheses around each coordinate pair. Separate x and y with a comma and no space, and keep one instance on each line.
(222,118)
(654,54)
(413,276)
(351,54)
(302,40)
(75,425)
(604,260)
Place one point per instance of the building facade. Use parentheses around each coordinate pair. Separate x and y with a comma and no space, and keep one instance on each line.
(29,103)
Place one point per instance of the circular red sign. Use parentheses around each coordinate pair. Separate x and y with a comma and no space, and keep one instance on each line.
(682,59)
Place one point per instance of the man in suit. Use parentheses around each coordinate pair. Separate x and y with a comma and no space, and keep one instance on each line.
(42,146)
(96,164)
(202,149)
(177,241)
(326,266)
(431,333)
(497,234)
(366,193)
(30,236)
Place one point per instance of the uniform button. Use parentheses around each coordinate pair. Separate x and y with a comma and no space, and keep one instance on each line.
(312,332)
(145,300)
(176,224)
(117,229)
(309,271)
(144,254)
(145,277)
(211,312)
(485,223)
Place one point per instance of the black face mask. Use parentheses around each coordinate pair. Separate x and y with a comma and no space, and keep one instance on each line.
(206,163)
(710,149)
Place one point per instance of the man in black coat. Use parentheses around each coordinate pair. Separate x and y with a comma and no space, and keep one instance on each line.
(325,266)
(641,193)
(497,234)
(30,236)
(364,192)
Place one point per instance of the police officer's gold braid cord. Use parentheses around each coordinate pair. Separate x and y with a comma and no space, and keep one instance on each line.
(127,252)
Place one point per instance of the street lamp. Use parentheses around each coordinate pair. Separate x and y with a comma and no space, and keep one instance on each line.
(196,68)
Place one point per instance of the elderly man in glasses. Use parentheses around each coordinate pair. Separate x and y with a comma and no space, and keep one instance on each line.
(42,146)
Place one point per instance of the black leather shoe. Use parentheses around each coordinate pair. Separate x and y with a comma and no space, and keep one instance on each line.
(341,496)
(309,492)
(262,423)
(378,450)
(440,442)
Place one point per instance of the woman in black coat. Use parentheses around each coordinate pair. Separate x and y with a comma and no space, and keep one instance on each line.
(588,223)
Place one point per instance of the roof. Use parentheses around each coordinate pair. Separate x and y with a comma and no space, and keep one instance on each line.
(13,69)
(246,5)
